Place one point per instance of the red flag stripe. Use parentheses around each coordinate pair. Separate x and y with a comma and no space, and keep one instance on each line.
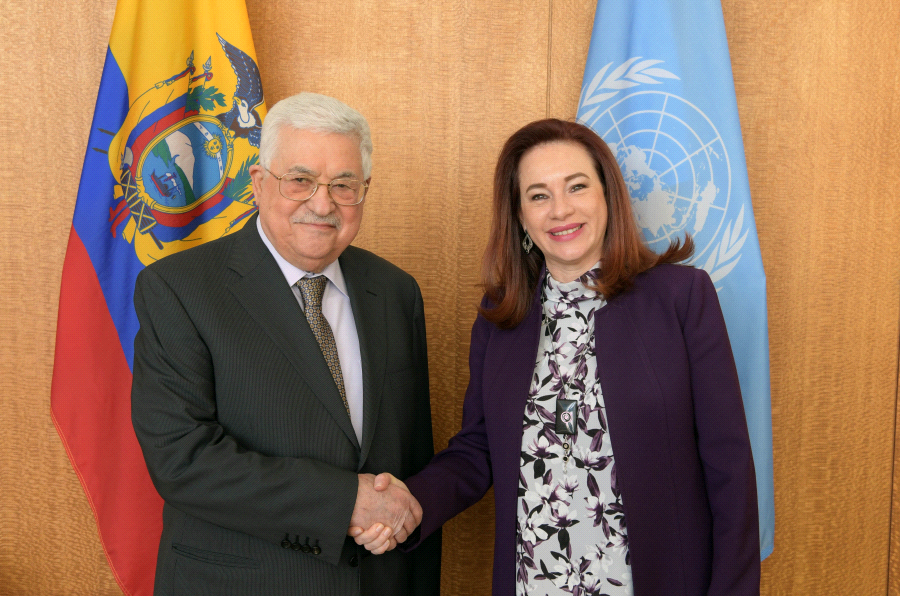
(90,399)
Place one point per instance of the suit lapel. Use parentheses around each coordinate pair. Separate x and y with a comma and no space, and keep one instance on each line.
(369,314)
(263,292)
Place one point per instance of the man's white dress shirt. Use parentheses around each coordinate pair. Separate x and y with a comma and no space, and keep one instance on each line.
(337,311)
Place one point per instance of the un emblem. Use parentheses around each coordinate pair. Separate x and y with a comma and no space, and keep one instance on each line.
(674,162)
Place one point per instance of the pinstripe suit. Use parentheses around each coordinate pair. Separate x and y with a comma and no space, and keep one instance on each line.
(244,432)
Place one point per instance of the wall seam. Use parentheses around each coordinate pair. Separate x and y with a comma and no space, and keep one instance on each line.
(549,56)
(891,546)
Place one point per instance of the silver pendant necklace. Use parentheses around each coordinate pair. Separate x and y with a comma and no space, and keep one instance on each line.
(566,409)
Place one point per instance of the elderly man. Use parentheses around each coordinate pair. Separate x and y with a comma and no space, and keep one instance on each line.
(274,369)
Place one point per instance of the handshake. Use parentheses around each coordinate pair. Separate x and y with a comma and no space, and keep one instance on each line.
(385,514)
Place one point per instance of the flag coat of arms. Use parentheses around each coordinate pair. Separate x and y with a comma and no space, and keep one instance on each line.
(176,128)
(658,88)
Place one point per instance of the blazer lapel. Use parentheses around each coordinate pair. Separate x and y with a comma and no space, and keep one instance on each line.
(512,356)
(369,314)
(631,392)
(612,331)
(263,292)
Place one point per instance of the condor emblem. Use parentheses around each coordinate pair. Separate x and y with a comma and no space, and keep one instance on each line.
(182,156)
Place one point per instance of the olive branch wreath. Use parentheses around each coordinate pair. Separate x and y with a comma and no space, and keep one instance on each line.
(726,255)
(627,75)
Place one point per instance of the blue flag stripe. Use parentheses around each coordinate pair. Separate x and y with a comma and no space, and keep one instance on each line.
(116,269)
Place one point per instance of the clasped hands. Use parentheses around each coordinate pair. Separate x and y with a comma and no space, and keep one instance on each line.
(385,514)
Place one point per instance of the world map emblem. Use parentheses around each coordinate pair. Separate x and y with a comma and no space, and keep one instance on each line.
(673,160)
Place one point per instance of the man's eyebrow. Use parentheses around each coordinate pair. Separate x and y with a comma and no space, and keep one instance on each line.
(305,170)
(302,170)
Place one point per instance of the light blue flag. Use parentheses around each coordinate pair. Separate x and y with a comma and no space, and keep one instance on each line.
(658,88)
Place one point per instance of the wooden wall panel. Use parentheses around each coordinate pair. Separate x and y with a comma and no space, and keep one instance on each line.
(570,36)
(443,84)
(815,82)
(52,59)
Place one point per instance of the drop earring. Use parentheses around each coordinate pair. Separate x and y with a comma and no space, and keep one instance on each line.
(527,242)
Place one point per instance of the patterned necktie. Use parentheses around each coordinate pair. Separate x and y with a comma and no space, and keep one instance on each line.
(312,289)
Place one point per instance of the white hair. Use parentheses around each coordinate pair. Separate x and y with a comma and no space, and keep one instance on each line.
(320,113)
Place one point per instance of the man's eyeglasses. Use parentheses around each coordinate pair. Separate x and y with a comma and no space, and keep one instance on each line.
(298,186)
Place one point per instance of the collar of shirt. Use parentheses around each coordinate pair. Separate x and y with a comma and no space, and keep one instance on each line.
(293,274)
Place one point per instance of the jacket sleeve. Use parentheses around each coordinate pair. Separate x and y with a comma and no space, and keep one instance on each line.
(460,475)
(201,470)
(723,442)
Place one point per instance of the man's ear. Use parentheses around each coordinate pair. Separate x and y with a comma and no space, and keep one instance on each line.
(256,177)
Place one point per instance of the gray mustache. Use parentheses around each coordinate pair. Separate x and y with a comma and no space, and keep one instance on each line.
(312,218)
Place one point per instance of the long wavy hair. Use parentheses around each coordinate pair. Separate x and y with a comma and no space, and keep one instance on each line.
(510,277)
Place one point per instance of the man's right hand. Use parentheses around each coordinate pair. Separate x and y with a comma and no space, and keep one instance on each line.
(385,506)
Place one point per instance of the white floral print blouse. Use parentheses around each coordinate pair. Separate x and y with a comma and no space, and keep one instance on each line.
(571,527)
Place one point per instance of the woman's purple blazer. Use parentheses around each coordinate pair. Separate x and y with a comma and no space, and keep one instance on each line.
(677,425)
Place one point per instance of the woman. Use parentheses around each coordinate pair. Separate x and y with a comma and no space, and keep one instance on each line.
(603,403)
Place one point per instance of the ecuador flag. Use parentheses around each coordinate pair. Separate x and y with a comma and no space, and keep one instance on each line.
(175,129)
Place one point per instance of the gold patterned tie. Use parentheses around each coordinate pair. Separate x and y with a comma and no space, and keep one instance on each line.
(312,289)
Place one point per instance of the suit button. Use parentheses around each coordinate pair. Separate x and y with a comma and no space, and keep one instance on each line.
(316,550)
(286,543)
(354,562)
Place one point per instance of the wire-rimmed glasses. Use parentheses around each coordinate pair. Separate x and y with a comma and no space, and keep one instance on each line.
(301,186)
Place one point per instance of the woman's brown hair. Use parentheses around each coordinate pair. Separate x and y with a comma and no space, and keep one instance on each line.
(510,277)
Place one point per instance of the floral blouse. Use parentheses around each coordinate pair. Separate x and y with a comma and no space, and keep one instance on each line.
(570,523)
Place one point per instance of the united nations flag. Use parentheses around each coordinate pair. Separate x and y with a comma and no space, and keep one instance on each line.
(658,88)
(175,131)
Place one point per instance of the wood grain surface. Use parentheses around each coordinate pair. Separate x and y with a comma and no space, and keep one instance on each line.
(443,84)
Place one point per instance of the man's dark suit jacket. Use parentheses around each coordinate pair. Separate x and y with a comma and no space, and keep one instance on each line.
(245,434)
(676,421)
